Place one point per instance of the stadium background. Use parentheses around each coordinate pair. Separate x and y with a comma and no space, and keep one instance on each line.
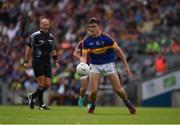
(145,29)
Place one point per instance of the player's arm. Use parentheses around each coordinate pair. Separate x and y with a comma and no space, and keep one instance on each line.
(84,56)
(122,57)
(77,52)
(84,53)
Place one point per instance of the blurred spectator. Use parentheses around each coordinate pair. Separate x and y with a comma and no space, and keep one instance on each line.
(160,65)
(30,85)
(152,47)
(12,30)
(142,46)
(147,67)
(175,46)
(72,92)
(165,43)
(59,93)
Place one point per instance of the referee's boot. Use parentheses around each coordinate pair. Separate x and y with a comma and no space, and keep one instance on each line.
(44,107)
(31,101)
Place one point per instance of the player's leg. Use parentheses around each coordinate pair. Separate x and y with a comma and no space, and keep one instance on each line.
(114,79)
(121,78)
(84,83)
(94,81)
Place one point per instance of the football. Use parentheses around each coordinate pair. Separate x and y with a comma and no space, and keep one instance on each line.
(83,69)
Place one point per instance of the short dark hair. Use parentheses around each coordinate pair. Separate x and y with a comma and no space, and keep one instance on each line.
(94,20)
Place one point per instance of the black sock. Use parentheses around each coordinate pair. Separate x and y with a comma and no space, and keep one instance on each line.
(37,92)
(40,97)
(127,102)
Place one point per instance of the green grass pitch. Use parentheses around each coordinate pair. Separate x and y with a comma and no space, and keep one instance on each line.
(76,115)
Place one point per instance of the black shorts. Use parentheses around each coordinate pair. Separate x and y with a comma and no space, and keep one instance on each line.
(41,68)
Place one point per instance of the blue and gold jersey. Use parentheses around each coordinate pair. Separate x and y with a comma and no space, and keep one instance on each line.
(100,49)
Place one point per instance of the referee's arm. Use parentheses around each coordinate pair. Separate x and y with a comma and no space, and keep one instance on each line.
(28,54)
(54,52)
(54,55)
(55,58)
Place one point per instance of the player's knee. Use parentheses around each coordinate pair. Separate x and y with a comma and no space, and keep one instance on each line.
(93,92)
(118,90)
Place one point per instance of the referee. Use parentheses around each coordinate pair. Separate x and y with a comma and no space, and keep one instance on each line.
(41,48)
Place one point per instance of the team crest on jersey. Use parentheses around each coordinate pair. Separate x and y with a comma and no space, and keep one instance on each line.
(97,43)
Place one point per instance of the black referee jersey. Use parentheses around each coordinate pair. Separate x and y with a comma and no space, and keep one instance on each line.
(42,44)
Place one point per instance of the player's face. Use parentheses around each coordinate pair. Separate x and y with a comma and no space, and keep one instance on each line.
(93,29)
(45,25)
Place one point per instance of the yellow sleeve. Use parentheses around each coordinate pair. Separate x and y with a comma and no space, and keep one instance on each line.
(84,51)
(115,45)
